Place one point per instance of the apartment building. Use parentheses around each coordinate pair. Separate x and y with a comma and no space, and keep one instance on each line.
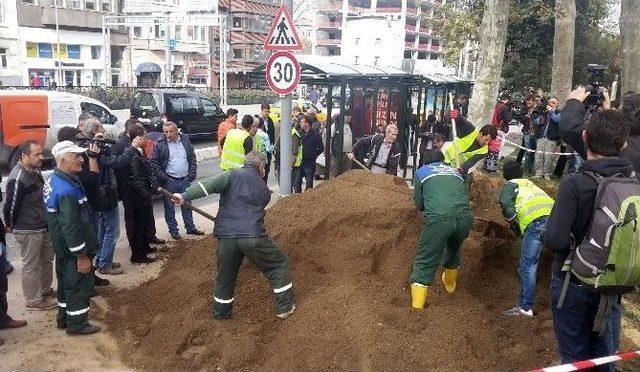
(72,56)
(388,32)
(9,65)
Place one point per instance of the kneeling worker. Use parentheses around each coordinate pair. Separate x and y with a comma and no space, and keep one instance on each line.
(440,193)
(527,207)
(239,228)
(471,146)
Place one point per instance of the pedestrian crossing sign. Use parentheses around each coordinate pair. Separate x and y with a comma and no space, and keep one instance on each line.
(283,35)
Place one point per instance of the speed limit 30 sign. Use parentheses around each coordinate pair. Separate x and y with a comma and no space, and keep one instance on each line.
(283,72)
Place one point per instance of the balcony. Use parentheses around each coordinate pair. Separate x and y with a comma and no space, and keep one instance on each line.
(388,9)
(426,30)
(410,28)
(329,25)
(331,7)
(423,46)
(412,11)
(436,48)
(410,44)
(329,42)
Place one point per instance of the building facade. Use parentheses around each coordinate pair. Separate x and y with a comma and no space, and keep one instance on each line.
(390,32)
(9,62)
(71,56)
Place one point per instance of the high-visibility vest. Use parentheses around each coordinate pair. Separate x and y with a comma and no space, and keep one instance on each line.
(463,145)
(298,162)
(233,151)
(531,203)
(258,144)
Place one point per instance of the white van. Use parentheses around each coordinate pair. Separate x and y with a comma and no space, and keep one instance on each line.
(39,114)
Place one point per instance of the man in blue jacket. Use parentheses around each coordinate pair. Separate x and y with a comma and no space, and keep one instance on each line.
(174,164)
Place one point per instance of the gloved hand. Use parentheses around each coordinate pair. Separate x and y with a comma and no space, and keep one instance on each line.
(454,114)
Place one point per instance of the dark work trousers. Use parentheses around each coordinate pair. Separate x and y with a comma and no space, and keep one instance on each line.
(151,228)
(74,292)
(306,172)
(4,287)
(267,168)
(266,255)
(136,219)
(295,174)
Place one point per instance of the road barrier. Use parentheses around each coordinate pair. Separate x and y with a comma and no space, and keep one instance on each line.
(577,366)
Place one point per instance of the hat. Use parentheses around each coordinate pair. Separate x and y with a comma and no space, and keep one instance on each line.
(66,147)
(511,170)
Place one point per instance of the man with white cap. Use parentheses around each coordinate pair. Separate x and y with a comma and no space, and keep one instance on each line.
(73,238)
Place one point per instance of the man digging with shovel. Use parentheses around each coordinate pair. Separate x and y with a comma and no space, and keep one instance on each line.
(239,228)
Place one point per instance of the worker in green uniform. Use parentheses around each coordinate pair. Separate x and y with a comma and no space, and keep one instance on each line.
(471,145)
(239,228)
(527,207)
(73,238)
(236,144)
(440,193)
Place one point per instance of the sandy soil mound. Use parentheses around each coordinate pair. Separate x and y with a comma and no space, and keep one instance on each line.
(352,242)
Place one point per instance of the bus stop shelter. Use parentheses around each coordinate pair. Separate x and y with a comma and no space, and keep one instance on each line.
(375,94)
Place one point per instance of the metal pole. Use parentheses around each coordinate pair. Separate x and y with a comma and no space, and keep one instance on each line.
(167,52)
(60,77)
(220,57)
(286,103)
(105,47)
(327,133)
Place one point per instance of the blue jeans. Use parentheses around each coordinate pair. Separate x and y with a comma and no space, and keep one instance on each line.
(108,234)
(179,186)
(308,172)
(573,324)
(528,268)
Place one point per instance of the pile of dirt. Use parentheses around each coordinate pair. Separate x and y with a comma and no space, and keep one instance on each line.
(351,242)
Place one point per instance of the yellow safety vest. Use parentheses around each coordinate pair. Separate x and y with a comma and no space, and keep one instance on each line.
(464,144)
(233,150)
(298,162)
(531,203)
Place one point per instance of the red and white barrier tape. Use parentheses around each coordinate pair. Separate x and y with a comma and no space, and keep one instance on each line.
(577,366)
(511,144)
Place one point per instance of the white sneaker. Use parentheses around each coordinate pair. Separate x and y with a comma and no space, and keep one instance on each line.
(518,311)
(286,314)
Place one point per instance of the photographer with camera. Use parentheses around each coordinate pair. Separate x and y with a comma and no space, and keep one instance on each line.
(547,138)
(576,110)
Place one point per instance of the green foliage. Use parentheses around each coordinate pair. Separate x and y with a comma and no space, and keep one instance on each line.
(529,49)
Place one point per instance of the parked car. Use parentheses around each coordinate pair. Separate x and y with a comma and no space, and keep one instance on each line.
(194,114)
(304,105)
(39,114)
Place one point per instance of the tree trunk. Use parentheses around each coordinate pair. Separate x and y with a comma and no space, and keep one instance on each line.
(493,39)
(563,49)
(630,33)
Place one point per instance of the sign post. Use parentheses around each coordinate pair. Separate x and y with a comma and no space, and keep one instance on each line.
(283,75)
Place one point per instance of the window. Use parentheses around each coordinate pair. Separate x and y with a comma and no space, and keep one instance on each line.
(137,31)
(357,41)
(106,6)
(203,33)
(196,32)
(2,11)
(237,22)
(177,32)
(57,3)
(378,41)
(145,102)
(3,57)
(95,52)
(73,51)
(237,53)
(209,107)
(376,60)
(183,105)
(30,2)
(90,4)
(63,51)
(32,50)
(97,74)
(355,62)
(45,50)
(97,111)
(76,4)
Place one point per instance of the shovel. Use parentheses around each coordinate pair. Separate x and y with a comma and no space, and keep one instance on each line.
(167,194)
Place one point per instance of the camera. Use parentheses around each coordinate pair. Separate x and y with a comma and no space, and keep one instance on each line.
(101,143)
(595,98)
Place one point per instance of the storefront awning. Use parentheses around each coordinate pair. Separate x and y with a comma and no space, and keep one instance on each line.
(148,67)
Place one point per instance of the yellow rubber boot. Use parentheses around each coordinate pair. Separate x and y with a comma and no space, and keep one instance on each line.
(449,279)
(419,293)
